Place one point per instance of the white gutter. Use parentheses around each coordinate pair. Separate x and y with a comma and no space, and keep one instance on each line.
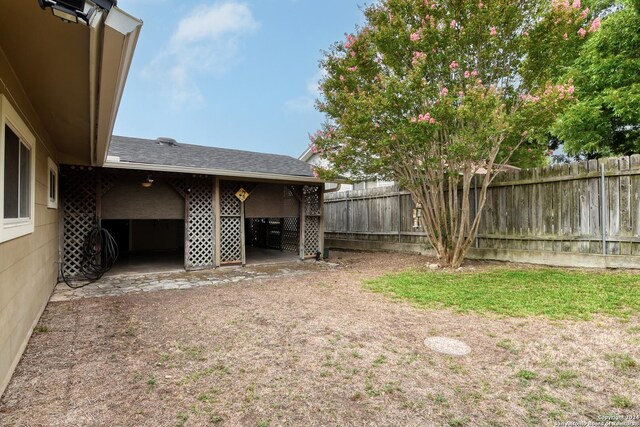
(216,172)
(119,39)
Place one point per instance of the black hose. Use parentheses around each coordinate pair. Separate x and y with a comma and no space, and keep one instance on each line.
(99,254)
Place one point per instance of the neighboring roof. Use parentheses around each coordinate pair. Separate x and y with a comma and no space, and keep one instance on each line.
(307,155)
(165,152)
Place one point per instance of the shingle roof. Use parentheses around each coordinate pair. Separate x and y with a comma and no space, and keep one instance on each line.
(148,151)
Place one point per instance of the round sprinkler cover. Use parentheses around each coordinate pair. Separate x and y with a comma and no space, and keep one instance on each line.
(448,346)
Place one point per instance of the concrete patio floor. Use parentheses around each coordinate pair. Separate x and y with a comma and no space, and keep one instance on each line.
(121,284)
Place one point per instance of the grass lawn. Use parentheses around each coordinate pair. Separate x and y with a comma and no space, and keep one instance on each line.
(554,293)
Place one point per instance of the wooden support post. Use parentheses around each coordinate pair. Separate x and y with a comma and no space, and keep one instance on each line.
(216,222)
(186,227)
(302,225)
(243,253)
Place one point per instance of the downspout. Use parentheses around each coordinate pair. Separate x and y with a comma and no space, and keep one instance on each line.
(96,37)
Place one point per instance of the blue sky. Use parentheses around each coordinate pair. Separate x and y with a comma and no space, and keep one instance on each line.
(231,73)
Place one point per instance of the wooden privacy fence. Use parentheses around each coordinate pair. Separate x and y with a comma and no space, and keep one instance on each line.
(588,207)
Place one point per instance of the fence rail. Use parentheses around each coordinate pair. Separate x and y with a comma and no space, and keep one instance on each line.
(588,207)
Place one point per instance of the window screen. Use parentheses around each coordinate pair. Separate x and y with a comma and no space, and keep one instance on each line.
(17,177)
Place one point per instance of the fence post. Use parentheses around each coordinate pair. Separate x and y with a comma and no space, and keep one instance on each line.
(399,218)
(603,209)
(348,215)
(475,203)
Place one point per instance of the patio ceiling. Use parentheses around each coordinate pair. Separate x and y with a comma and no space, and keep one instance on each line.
(73,74)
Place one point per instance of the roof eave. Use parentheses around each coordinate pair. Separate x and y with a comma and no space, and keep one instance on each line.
(119,36)
(306,155)
(216,172)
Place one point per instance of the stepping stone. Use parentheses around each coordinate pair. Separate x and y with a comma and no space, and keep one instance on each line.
(448,346)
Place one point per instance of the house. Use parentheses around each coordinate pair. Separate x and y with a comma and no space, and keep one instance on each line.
(173,205)
(315,160)
(60,88)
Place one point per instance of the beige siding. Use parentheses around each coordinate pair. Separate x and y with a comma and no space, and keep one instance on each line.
(129,200)
(268,201)
(28,268)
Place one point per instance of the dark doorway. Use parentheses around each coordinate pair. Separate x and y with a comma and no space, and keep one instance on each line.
(147,245)
(269,240)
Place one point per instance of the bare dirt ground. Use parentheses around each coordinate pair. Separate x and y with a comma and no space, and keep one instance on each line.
(315,349)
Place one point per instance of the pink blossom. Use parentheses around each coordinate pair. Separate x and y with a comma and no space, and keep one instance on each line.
(415,37)
(467,74)
(353,54)
(454,65)
(582,32)
(493,31)
(571,89)
(350,41)
(314,149)
(413,120)
(525,33)
(390,16)
(418,56)
(352,69)
(432,121)
(444,91)
(315,173)
(576,4)
(565,36)
(480,5)
(474,73)
(453,23)
(376,125)
(341,78)
(594,25)
(584,13)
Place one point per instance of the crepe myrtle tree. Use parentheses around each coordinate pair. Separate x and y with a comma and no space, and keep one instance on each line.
(430,93)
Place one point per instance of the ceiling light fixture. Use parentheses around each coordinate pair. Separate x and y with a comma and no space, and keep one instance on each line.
(147,182)
(68,10)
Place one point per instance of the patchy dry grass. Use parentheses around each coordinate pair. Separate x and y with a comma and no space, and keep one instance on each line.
(316,350)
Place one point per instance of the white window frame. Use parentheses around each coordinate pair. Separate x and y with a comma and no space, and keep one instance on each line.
(52,168)
(13,228)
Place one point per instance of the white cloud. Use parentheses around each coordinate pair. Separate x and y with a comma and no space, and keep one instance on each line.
(205,42)
(306,103)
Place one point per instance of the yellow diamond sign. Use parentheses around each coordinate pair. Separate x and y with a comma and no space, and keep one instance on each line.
(242,194)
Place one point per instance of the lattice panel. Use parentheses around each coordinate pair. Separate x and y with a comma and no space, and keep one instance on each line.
(199,250)
(107,182)
(229,203)
(230,223)
(79,191)
(313,211)
(312,200)
(290,234)
(181,186)
(311,235)
(230,250)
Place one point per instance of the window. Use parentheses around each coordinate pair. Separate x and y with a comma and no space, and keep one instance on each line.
(17,174)
(52,185)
